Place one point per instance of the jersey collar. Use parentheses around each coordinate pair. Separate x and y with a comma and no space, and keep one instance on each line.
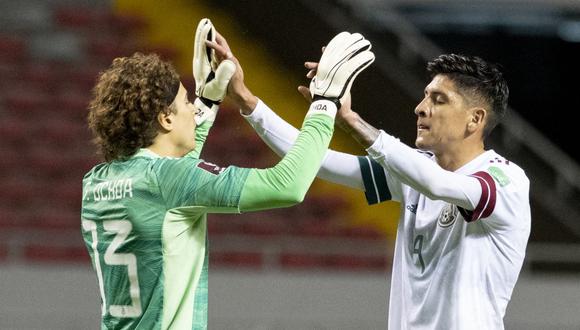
(146,153)
(475,163)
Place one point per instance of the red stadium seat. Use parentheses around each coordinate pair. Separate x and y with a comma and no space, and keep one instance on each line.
(356,262)
(12,49)
(362,232)
(14,131)
(58,220)
(71,105)
(94,18)
(236,258)
(14,217)
(315,230)
(268,227)
(25,104)
(48,253)
(18,192)
(105,49)
(301,260)
(41,76)
(81,78)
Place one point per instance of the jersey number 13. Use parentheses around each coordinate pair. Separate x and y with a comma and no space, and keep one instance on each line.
(121,230)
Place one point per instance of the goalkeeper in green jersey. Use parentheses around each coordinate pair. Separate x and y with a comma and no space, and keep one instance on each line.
(144,210)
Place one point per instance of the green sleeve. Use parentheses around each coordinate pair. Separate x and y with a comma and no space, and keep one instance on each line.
(286,183)
(187,182)
(201,133)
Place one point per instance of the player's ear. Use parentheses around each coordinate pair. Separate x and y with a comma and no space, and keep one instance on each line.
(477,119)
(165,120)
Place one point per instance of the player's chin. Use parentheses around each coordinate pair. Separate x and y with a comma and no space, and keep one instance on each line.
(420,142)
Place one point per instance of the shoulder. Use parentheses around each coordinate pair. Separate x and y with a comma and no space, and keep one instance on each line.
(505,172)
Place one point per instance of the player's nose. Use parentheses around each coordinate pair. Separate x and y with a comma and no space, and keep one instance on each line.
(420,109)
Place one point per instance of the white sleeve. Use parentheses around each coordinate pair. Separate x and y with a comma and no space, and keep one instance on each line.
(425,176)
(337,167)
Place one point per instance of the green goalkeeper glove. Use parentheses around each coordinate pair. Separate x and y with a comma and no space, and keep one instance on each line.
(345,56)
(211,77)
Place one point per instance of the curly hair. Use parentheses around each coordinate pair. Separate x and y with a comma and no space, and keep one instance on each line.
(126,101)
(482,79)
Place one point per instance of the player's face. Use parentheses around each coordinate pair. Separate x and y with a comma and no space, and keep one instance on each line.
(442,116)
(183,132)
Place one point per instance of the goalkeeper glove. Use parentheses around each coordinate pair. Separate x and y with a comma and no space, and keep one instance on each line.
(211,77)
(345,56)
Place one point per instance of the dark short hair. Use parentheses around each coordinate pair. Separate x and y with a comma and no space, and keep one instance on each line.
(126,101)
(478,77)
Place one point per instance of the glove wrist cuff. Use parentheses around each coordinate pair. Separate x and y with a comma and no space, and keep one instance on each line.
(322,106)
(336,101)
(208,103)
(203,112)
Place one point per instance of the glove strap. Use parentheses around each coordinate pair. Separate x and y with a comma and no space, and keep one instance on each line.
(333,100)
(322,106)
(203,112)
(207,102)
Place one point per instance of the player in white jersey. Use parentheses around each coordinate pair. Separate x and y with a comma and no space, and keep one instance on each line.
(465,213)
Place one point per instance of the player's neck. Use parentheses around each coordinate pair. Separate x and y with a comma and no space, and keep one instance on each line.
(454,158)
(164,148)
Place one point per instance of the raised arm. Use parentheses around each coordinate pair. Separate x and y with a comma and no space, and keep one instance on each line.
(279,135)
(347,55)
(337,167)
(286,183)
(410,167)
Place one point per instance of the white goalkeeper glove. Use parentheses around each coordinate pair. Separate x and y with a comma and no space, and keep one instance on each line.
(211,77)
(345,56)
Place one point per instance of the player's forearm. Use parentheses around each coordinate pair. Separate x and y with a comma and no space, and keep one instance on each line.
(279,135)
(363,132)
(422,174)
(286,183)
(244,99)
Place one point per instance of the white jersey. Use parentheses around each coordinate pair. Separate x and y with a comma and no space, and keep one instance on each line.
(453,268)
(461,237)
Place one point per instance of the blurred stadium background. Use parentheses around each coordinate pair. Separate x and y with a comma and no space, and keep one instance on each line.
(324,264)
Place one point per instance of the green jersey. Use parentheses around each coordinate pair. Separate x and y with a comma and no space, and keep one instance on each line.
(145,226)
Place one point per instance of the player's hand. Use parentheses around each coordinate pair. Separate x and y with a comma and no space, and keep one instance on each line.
(345,56)
(211,74)
(237,90)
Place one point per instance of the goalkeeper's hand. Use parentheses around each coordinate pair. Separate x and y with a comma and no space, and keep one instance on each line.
(345,56)
(211,77)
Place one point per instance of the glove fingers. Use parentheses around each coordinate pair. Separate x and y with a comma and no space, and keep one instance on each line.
(344,58)
(342,47)
(329,69)
(215,90)
(336,42)
(346,71)
(203,29)
(354,67)
(201,55)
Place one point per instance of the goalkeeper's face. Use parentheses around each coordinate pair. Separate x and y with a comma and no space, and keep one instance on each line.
(182,123)
(443,117)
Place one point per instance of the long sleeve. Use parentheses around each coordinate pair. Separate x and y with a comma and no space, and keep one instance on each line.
(422,174)
(337,167)
(286,183)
